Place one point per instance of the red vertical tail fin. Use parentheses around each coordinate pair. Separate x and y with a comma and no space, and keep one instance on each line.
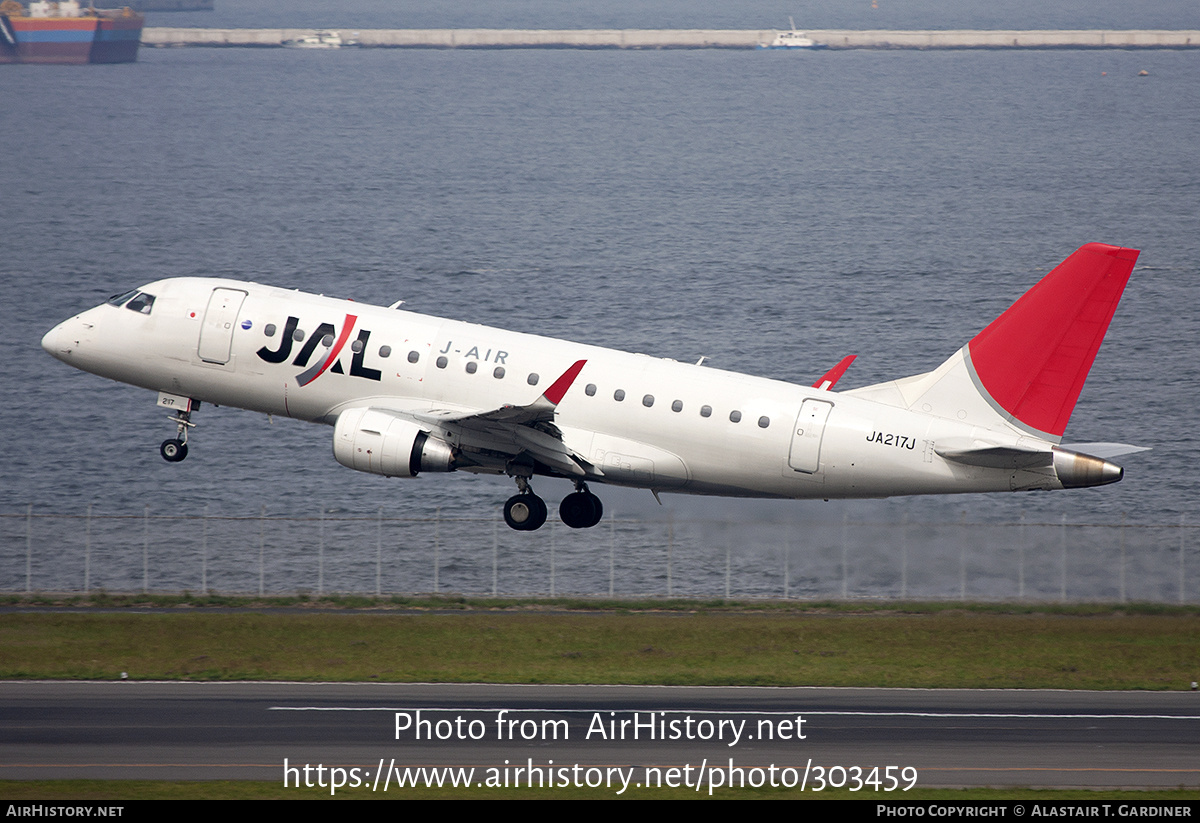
(1026,369)
(1033,360)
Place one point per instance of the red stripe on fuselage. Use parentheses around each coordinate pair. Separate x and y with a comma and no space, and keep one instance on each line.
(347,327)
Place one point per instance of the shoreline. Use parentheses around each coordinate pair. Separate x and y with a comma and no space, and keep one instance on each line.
(162,37)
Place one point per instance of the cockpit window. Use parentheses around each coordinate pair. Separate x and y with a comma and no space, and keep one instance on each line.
(141,302)
(135,300)
(119,299)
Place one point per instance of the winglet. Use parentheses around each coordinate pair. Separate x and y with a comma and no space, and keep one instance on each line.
(559,388)
(835,374)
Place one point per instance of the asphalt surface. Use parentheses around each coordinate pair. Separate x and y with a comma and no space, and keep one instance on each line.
(246,731)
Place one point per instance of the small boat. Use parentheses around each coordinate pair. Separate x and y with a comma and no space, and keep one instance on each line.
(318,40)
(791,40)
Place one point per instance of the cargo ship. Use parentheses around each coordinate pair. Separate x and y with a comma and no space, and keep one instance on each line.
(170,5)
(64,32)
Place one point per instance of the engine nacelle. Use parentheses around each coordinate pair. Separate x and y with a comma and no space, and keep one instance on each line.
(369,440)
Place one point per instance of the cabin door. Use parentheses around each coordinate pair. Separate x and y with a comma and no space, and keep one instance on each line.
(805,455)
(216,333)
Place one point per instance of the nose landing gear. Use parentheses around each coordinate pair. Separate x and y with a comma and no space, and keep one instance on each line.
(176,449)
(173,450)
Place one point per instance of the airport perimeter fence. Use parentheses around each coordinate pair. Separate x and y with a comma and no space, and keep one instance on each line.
(380,555)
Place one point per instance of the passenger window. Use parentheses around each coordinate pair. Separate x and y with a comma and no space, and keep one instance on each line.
(441,362)
(590,391)
(385,351)
(706,411)
(356,346)
(327,340)
(619,395)
(648,400)
(269,330)
(735,417)
(532,379)
(298,335)
(677,406)
(472,367)
(498,372)
(764,421)
(413,357)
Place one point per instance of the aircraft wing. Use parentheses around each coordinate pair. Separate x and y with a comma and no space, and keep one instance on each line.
(539,411)
(513,430)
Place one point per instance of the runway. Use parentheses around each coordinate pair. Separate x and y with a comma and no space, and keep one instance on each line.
(246,731)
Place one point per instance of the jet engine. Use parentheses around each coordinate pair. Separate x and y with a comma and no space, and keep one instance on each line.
(370,440)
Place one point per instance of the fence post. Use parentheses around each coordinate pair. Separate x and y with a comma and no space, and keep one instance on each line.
(1182,590)
(787,556)
(904,556)
(1021,559)
(670,550)
(845,538)
(378,551)
(437,544)
(962,555)
(87,553)
(553,532)
(727,553)
(1062,581)
(29,549)
(612,547)
(321,555)
(145,549)
(1122,557)
(495,555)
(204,553)
(262,548)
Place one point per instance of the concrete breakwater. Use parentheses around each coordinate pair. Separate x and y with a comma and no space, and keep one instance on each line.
(685,38)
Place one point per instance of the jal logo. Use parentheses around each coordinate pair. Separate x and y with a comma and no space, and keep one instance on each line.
(325,334)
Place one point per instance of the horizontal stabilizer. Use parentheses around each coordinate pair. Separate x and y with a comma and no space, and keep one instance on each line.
(1105,450)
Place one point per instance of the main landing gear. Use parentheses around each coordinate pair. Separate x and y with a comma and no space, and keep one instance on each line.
(176,449)
(526,512)
(581,509)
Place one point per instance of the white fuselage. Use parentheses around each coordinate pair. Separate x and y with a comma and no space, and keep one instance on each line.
(641,421)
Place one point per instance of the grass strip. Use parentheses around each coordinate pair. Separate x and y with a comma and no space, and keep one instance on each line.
(938,648)
(444,603)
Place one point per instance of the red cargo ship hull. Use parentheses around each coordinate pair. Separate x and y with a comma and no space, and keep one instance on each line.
(110,37)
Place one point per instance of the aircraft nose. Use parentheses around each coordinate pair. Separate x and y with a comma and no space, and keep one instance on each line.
(50,340)
(62,340)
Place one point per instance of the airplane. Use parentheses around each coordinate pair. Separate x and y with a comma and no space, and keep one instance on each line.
(408,393)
